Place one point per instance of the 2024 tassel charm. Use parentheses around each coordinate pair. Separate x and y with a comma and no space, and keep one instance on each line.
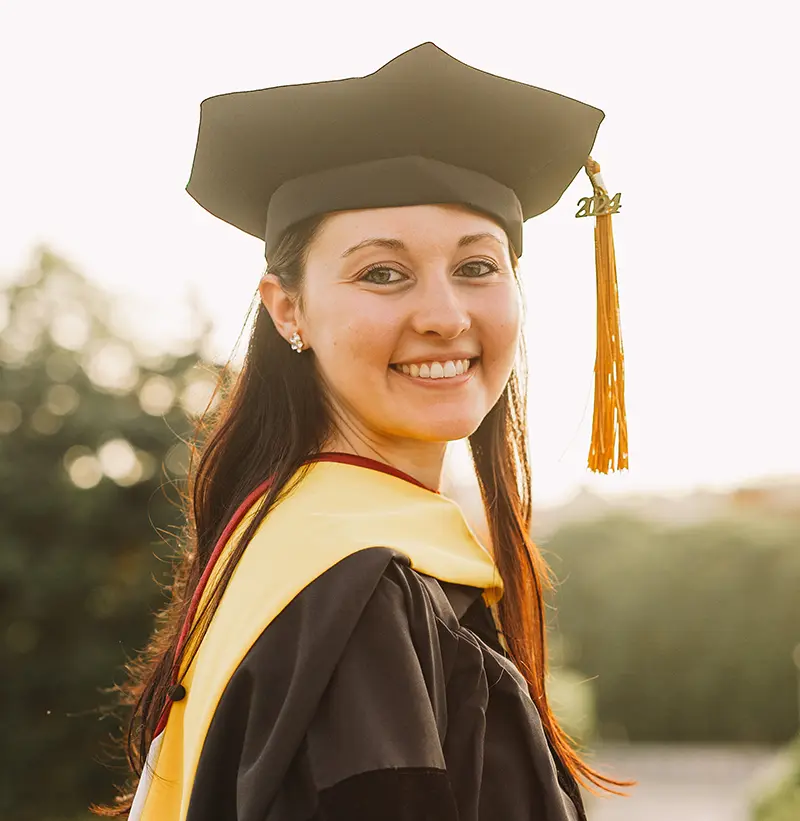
(609,448)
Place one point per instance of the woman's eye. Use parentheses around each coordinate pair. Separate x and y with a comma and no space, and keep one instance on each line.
(380,269)
(474,266)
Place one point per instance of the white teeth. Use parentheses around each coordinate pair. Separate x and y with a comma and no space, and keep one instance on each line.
(436,370)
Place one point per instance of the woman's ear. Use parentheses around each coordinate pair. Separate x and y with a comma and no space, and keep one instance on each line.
(281,307)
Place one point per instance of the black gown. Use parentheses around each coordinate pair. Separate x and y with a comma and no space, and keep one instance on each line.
(380,693)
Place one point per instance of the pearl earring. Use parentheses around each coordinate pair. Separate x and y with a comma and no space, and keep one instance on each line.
(296,342)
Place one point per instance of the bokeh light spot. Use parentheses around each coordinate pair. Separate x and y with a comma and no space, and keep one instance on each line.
(44,422)
(157,395)
(111,366)
(70,329)
(118,461)
(62,399)
(85,472)
(177,459)
(10,416)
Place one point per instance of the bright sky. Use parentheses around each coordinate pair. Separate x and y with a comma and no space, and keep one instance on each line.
(99,107)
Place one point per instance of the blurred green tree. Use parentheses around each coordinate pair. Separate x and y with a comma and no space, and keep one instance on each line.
(92,451)
(781,802)
(688,631)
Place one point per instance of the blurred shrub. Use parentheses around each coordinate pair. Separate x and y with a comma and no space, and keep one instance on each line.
(689,632)
(90,455)
(572,700)
(783,802)
(570,694)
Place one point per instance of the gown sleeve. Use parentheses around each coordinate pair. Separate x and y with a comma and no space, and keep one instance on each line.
(339,709)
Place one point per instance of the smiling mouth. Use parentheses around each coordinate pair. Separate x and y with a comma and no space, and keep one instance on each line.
(437,373)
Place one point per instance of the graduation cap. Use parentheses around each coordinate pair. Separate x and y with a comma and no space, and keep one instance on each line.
(425,128)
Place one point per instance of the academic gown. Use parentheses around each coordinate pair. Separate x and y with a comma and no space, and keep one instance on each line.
(379,691)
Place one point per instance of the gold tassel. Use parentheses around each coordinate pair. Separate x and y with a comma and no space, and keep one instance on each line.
(609,448)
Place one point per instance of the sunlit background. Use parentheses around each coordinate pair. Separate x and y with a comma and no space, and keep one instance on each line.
(99,108)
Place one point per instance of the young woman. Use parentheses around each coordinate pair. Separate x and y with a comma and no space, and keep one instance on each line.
(340,645)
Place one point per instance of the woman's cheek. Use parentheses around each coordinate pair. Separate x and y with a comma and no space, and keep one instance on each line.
(501,328)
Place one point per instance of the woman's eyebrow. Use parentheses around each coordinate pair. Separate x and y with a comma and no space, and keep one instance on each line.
(468,239)
(383,242)
(399,245)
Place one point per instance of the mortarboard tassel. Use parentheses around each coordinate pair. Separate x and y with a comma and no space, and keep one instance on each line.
(609,425)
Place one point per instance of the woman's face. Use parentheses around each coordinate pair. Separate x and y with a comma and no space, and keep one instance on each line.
(389,290)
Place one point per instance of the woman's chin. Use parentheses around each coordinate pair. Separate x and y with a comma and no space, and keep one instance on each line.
(440,430)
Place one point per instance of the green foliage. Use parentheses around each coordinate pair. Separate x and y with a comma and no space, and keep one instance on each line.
(79,551)
(783,802)
(572,700)
(570,695)
(689,632)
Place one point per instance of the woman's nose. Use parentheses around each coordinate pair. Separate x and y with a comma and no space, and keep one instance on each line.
(441,309)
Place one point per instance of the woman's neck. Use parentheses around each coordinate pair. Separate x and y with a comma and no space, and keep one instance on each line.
(422,460)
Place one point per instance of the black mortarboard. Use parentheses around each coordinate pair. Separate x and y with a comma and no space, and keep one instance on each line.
(424,128)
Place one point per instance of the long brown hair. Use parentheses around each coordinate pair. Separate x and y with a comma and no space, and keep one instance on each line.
(272,417)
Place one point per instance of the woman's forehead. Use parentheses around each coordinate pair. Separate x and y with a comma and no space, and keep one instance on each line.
(413,225)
